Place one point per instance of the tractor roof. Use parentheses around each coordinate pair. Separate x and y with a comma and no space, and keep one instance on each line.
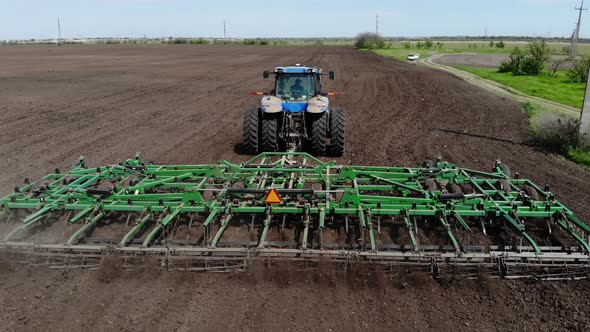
(297,69)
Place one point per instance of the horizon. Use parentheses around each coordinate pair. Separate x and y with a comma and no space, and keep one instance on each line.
(256,19)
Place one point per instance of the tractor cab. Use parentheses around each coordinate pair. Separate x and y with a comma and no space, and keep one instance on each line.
(297,83)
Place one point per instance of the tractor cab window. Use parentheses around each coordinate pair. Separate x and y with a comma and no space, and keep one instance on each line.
(295,87)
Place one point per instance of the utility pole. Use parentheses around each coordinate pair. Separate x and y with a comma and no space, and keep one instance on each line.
(377,23)
(577,31)
(59,32)
(224,31)
(585,115)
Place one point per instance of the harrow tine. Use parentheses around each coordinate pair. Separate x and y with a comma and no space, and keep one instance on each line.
(162,226)
(305,230)
(75,238)
(131,234)
(456,244)
(224,224)
(24,226)
(262,241)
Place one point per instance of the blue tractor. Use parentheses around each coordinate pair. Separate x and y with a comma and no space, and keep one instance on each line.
(295,115)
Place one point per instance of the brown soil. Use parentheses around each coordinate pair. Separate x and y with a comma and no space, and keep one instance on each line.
(282,298)
(184,104)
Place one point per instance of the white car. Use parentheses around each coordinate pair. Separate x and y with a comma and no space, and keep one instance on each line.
(413,57)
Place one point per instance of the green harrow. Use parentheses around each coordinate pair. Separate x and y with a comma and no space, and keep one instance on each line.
(439,217)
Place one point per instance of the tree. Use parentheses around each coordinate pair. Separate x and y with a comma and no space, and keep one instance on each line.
(407,45)
(500,44)
(539,55)
(428,44)
(579,71)
(555,66)
(531,62)
(369,40)
(513,64)
(491,43)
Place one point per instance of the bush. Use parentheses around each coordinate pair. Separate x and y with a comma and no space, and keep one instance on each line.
(200,41)
(179,41)
(419,45)
(249,42)
(407,45)
(369,40)
(539,55)
(491,43)
(527,63)
(513,64)
(428,44)
(558,134)
(579,71)
(263,42)
(439,44)
(500,44)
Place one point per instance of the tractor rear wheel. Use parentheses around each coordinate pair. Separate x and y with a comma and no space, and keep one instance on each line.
(338,132)
(319,133)
(270,133)
(251,130)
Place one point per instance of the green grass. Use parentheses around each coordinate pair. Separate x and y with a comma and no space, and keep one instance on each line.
(579,156)
(557,89)
(398,51)
(543,133)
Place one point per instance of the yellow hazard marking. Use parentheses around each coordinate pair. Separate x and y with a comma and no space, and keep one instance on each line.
(272,197)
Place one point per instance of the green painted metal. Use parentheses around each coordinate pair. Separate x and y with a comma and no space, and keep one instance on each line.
(129,236)
(82,231)
(311,189)
(262,242)
(222,228)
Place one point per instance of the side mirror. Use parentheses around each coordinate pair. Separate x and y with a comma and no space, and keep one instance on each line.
(331,75)
(265,74)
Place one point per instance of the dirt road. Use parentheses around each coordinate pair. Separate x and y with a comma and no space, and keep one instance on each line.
(184,104)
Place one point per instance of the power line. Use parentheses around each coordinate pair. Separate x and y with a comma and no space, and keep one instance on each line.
(577,31)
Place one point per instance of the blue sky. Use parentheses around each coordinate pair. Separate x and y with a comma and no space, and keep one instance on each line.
(23,19)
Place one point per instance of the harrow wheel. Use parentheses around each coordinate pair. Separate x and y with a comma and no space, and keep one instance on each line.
(319,133)
(506,170)
(270,133)
(251,130)
(338,132)
(531,192)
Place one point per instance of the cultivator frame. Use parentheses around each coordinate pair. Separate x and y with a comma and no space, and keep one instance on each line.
(522,229)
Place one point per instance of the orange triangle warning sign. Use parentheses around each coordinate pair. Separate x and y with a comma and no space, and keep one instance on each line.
(273,197)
